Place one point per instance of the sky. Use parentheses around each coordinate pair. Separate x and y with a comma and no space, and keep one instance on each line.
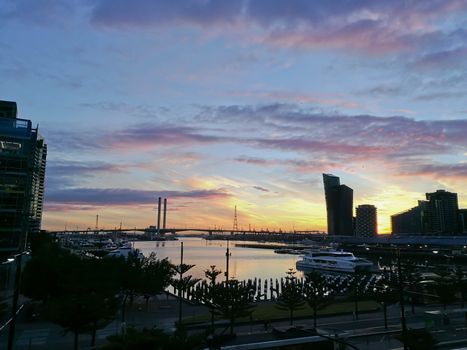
(215,104)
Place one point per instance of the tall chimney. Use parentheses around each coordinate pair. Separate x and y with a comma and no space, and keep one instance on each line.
(165,213)
(159,214)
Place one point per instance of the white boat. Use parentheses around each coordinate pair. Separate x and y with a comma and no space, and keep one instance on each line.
(124,251)
(334,261)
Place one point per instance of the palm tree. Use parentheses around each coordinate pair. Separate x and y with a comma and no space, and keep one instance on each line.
(182,285)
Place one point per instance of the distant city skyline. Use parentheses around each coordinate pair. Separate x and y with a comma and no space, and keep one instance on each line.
(214,104)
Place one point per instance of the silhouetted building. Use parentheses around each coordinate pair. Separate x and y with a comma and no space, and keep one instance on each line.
(366,221)
(339,206)
(443,212)
(463,220)
(413,220)
(22,171)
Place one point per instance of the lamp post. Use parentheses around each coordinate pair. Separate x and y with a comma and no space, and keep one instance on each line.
(14,307)
(401,298)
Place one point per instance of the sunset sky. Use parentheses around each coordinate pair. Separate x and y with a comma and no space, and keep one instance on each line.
(216,103)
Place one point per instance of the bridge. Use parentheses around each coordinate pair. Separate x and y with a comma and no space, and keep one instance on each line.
(163,231)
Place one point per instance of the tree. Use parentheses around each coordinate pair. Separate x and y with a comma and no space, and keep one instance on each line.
(315,292)
(459,283)
(356,290)
(412,277)
(385,293)
(231,300)
(156,276)
(80,295)
(445,290)
(182,285)
(43,274)
(291,297)
(205,294)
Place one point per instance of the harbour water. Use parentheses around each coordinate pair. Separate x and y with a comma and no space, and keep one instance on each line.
(245,263)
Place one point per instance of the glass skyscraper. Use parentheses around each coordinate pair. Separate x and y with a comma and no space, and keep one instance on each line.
(339,206)
(22,171)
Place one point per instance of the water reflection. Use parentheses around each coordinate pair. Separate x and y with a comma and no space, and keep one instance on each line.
(245,263)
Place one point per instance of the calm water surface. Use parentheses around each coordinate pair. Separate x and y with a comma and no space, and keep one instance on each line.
(245,263)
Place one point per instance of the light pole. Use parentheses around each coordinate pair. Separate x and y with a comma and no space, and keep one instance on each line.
(401,298)
(14,307)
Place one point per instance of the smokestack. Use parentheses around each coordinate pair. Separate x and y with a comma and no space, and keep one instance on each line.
(159,214)
(165,213)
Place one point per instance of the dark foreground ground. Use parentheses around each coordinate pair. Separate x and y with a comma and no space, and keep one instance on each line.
(367,332)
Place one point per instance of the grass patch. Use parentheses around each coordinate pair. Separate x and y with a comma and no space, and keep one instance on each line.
(269,311)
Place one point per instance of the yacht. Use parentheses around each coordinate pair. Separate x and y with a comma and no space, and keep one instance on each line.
(334,261)
(124,250)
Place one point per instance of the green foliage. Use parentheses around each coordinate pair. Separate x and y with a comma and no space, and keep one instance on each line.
(205,295)
(155,276)
(231,300)
(80,293)
(42,277)
(385,291)
(315,292)
(460,283)
(292,295)
(445,290)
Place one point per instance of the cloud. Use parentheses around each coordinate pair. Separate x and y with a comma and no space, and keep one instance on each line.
(122,107)
(41,12)
(124,196)
(446,59)
(376,27)
(68,168)
(439,95)
(437,170)
(320,139)
(292,128)
(150,135)
(336,100)
(262,189)
(297,165)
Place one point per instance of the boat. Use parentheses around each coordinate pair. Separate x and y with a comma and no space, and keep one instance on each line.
(288,251)
(334,261)
(124,250)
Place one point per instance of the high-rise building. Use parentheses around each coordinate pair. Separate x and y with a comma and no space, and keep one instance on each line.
(411,221)
(443,212)
(22,170)
(463,220)
(366,221)
(339,206)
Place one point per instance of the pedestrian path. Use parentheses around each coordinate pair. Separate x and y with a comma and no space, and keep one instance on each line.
(106,332)
(33,337)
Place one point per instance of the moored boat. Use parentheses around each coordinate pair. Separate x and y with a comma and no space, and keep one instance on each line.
(334,261)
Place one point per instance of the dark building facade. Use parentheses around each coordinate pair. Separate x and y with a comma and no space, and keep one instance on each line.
(22,171)
(463,220)
(443,212)
(339,206)
(366,224)
(414,220)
